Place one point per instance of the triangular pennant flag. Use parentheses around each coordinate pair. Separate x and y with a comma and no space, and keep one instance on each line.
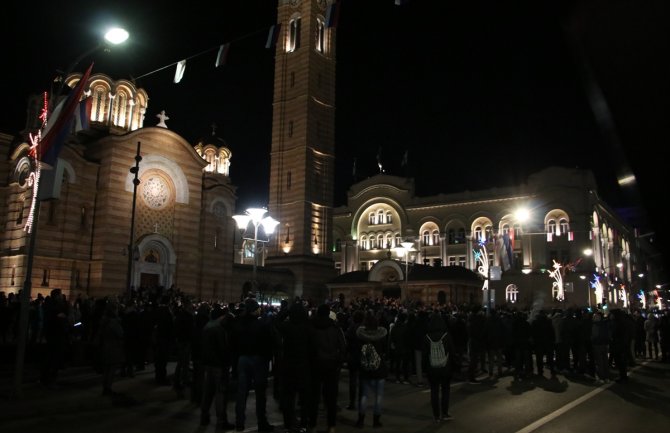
(179,73)
(273,35)
(222,55)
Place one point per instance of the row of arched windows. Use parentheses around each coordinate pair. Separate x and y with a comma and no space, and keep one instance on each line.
(380,241)
(380,217)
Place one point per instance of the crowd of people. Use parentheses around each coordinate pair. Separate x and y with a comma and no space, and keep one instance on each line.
(224,350)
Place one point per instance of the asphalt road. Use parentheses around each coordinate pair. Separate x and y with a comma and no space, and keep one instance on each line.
(539,404)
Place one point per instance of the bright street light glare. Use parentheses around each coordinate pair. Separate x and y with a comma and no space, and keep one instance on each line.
(116,35)
(522,215)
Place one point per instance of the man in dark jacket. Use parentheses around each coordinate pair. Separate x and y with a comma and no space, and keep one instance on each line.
(252,342)
(215,358)
(330,352)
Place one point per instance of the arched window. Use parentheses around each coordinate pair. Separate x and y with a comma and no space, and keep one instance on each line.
(398,240)
(460,237)
(565,227)
(373,242)
(320,36)
(389,218)
(517,231)
(380,241)
(511,293)
(551,226)
(371,218)
(489,234)
(380,216)
(293,35)
(478,234)
(99,104)
(364,243)
(436,237)
(425,237)
(388,239)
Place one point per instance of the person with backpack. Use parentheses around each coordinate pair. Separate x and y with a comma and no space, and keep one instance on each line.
(438,348)
(374,368)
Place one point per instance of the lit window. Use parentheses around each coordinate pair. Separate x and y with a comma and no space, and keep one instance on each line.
(511,293)
(436,237)
(380,217)
(364,242)
(320,36)
(425,237)
(294,35)
(551,226)
(478,234)
(565,227)
(371,218)
(389,219)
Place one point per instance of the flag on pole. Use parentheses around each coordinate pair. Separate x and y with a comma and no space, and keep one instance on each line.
(571,236)
(222,55)
(550,237)
(511,237)
(273,35)
(333,14)
(59,125)
(179,72)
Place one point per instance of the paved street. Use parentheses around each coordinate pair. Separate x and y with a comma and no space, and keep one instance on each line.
(563,404)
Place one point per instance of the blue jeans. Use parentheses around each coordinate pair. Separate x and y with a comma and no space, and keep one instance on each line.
(376,386)
(251,371)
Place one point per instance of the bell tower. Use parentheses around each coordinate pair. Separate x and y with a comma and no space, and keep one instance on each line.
(303,144)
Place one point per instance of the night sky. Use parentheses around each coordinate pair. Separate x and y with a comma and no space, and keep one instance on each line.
(480,93)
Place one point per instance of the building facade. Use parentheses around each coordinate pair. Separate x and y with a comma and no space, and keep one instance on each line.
(549,242)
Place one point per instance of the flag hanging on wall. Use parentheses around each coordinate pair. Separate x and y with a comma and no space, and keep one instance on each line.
(179,73)
(222,55)
(82,114)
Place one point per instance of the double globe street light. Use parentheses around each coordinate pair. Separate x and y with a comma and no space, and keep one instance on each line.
(257,218)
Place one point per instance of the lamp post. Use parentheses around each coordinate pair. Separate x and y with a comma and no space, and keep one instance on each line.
(136,181)
(257,218)
(114,36)
(404,249)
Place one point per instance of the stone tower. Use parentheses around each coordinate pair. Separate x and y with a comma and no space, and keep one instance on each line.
(303,144)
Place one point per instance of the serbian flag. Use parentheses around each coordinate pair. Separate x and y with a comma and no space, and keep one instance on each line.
(222,55)
(332,14)
(59,125)
(273,35)
(510,232)
(82,114)
(571,236)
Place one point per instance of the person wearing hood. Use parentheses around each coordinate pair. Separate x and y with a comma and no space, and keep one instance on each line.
(330,352)
(439,373)
(374,366)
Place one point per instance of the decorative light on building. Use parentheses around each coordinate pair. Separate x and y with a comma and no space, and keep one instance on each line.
(482,257)
(557,285)
(623,296)
(597,287)
(643,299)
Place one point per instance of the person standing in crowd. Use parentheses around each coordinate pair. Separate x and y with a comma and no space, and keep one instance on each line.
(601,335)
(353,359)
(252,343)
(651,336)
(296,366)
(399,336)
(640,335)
(542,335)
(439,368)
(184,323)
(56,334)
(494,338)
(475,324)
(131,322)
(111,345)
(621,338)
(163,338)
(215,357)
(417,331)
(202,317)
(330,352)
(374,366)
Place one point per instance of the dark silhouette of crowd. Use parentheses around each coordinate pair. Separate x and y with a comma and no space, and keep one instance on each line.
(222,351)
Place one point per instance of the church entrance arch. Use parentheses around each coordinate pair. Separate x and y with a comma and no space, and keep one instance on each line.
(155,262)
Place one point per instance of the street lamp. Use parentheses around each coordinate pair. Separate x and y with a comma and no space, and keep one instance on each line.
(257,218)
(403,250)
(115,36)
